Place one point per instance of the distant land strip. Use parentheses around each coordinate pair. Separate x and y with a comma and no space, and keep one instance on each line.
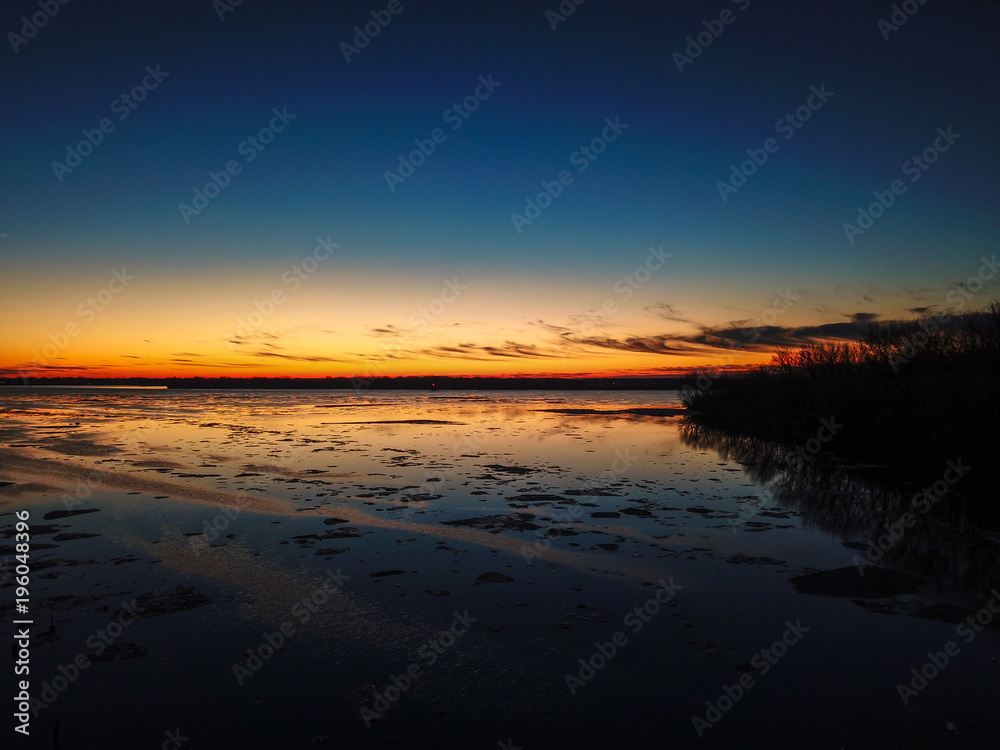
(415,382)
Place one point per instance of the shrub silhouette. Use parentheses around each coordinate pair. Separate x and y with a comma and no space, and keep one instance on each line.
(914,389)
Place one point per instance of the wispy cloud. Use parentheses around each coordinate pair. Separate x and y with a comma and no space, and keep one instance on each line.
(207,363)
(666,344)
(667,312)
(706,340)
(485,353)
(774,337)
(295,357)
(30,368)
(387,330)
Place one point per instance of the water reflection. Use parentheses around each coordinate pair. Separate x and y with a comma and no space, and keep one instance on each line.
(954,537)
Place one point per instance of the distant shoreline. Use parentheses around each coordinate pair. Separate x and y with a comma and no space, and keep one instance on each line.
(420,383)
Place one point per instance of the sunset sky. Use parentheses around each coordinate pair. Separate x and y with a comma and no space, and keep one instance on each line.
(312,259)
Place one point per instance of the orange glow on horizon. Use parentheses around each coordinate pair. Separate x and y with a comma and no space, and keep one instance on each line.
(157,325)
(415,369)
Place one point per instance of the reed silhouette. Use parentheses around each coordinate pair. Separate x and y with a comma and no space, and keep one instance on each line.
(908,392)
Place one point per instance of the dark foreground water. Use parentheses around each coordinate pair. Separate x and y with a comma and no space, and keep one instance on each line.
(479,570)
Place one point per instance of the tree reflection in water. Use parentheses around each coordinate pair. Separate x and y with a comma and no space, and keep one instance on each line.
(955,542)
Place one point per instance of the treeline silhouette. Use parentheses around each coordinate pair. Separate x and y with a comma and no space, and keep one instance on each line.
(907,391)
(416,382)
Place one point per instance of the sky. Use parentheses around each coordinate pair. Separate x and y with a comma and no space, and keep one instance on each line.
(488,188)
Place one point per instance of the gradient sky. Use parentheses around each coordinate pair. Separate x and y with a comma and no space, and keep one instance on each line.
(433,276)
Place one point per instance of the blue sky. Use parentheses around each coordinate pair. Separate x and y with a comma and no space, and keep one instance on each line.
(656,184)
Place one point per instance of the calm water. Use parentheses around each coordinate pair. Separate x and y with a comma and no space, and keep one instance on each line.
(471,549)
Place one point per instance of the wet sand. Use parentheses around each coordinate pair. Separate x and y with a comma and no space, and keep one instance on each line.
(528,526)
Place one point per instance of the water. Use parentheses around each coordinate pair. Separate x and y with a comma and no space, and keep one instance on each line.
(319,524)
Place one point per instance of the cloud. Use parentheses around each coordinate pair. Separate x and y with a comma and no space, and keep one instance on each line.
(667,312)
(266,338)
(218,365)
(739,335)
(676,345)
(486,353)
(387,330)
(295,357)
(774,337)
(863,317)
(33,368)
(561,331)
(252,337)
